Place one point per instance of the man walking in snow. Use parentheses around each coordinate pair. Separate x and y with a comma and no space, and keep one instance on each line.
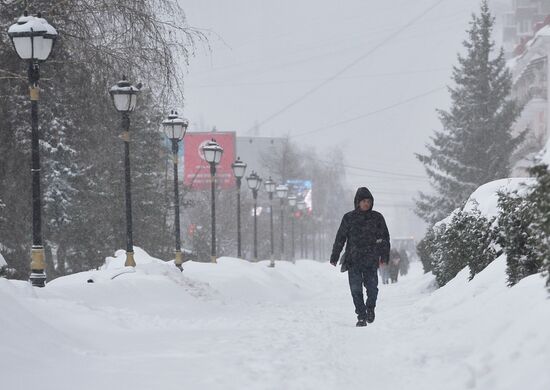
(367,240)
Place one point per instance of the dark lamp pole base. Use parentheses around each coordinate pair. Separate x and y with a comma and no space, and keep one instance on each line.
(37,278)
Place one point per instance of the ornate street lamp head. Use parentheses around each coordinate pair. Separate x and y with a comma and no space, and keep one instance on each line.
(254,182)
(124,95)
(292,201)
(282,191)
(270,185)
(32,37)
(175,127)
(212,152)
(239,168)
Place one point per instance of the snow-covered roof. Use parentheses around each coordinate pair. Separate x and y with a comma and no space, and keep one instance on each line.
(516,61)
(543,32)
(512,62)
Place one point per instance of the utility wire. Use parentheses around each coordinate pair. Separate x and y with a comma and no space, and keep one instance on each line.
(373,170)
(282,82)
(350,65)
(402,102)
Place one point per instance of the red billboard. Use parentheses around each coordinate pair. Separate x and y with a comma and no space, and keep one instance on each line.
(196,171)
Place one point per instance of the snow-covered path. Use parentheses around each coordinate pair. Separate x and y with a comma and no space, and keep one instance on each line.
(236,325)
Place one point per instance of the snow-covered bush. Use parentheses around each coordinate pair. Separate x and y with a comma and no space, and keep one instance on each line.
(524,228)
(5,271)
(466,239)
(425,248)
(512,217)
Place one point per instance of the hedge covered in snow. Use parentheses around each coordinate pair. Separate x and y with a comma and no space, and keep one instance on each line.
(510,216)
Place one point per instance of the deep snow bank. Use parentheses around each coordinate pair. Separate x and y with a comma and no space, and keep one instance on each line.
(240,325)
(500,334)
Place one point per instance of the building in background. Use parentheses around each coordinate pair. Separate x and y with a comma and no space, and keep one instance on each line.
(252,151)
(521,22)
(526,35)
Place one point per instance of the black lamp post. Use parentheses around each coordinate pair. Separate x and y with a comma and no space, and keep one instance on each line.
(254,182)
(212,152)
(301,206)
(239,169)
(174,128)
(292,200)
(124,97)
(270,189)
(282,191)
(33,39)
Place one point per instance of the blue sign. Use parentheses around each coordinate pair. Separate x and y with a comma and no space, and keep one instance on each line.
(303,191)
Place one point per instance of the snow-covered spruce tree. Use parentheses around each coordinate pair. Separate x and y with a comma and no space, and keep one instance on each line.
(475,143)
(524,228)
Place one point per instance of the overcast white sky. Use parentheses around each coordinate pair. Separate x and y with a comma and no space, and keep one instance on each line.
(265,55)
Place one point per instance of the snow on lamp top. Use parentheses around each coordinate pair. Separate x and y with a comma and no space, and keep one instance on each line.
(212,152)
(175,127)
(270,185)
(282,191)
(124,95)
(239,168)
(292,200)
(33,37)
(254,182)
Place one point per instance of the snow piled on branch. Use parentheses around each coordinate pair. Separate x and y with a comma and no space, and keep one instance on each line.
(485,197)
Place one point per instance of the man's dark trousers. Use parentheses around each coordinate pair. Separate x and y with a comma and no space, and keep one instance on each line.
(358,276)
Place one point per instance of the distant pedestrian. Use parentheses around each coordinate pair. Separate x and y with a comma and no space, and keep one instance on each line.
(404,263)
(384,271)
(367,240)
(395,259)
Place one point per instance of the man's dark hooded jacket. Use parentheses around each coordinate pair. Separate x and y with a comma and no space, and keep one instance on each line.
(365,233)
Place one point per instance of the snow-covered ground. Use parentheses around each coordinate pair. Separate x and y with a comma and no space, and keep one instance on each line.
(238,325)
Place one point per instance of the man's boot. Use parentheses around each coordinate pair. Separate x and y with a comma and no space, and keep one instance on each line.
(370,315)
